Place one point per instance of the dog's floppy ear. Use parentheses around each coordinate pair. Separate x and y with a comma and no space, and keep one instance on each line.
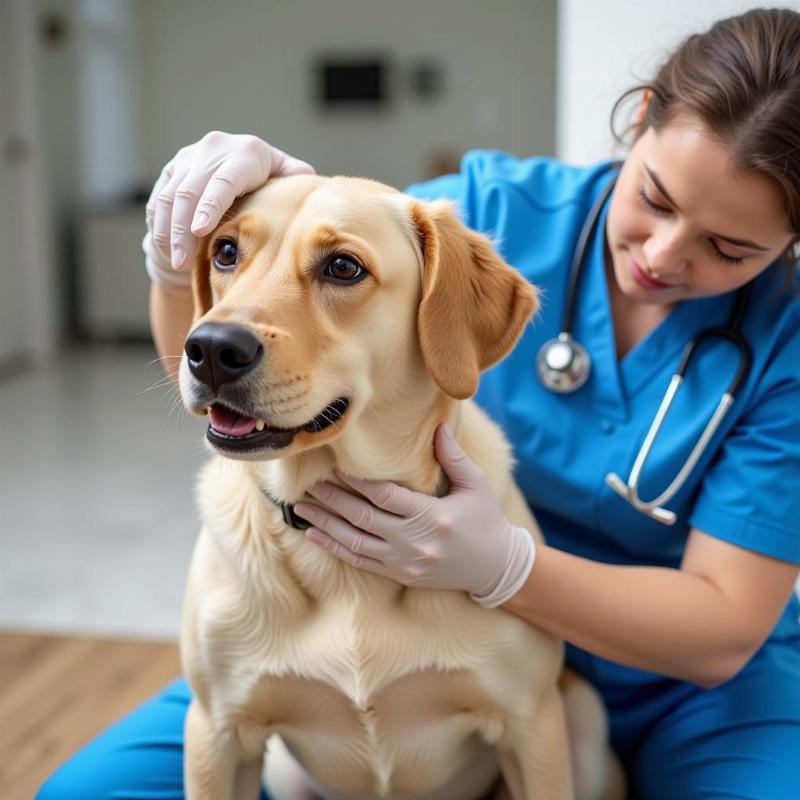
(201,283)
(474,306)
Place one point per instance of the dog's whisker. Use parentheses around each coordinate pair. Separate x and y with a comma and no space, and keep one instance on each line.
(158,359)
(159,384)
(176,399)
(177,405)
(332,421)
(170,389)
(164,362)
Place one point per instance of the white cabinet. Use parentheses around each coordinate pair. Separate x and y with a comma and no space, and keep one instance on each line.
(113,286)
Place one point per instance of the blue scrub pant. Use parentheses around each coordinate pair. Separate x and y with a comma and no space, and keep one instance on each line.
(740,740)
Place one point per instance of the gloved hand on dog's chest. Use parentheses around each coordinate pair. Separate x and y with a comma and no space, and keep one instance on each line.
(462,541)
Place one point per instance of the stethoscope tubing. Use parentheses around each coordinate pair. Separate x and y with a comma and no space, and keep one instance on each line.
(580,250)
(629,490)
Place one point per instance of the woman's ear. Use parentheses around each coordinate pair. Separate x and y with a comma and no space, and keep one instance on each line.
(474,306)
(641,112)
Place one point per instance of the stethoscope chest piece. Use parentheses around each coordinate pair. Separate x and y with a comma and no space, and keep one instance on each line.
(563,365)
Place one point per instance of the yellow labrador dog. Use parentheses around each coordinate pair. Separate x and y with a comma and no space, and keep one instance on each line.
(338,322)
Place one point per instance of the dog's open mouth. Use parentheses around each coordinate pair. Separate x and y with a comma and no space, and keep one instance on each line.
(231,430)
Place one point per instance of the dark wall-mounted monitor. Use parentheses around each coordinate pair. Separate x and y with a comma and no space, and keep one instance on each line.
(352,82)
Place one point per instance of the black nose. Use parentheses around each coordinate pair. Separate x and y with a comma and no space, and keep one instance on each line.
(220,354)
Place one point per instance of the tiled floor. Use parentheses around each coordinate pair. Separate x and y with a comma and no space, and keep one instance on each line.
(97,519)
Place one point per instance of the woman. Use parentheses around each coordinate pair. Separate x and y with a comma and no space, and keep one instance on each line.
(690,631)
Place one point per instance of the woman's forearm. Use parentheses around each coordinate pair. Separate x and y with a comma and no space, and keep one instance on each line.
(171,312)
(657,619)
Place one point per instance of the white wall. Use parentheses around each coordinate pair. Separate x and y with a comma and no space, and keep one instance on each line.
(28,315)
(605,48)
(62,114)
(246,67)
(10,314)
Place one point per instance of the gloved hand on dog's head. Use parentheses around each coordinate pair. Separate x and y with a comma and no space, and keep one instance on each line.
(196,188)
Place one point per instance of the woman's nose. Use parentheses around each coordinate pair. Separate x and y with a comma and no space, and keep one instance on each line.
(665,252)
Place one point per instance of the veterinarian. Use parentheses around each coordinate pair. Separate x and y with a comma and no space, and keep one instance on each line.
(689,630)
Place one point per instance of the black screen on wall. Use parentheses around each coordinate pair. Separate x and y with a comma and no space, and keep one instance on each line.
(356,82)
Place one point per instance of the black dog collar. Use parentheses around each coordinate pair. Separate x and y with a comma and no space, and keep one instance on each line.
(292,519)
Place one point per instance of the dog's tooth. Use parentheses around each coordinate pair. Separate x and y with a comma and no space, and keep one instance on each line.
(260,425)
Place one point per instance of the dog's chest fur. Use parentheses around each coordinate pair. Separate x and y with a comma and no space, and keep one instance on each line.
(376,688)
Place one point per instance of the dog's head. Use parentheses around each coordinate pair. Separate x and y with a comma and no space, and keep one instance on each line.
(322,300)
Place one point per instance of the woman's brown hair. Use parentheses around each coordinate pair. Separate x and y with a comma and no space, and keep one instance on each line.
(741,79)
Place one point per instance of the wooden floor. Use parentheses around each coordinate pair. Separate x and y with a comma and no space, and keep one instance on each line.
(56,693)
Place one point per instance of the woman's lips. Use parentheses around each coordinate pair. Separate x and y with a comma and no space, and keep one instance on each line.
(643,279)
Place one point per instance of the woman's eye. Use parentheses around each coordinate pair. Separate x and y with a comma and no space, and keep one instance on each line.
(649,204)
(344,268)
(227,255)
(723,256)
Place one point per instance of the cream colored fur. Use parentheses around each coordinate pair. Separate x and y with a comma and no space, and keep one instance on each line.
(378,690)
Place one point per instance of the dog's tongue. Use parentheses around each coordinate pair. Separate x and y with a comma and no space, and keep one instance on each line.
(229,422)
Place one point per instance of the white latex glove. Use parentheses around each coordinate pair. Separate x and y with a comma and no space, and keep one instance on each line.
(461,541)
(196,188)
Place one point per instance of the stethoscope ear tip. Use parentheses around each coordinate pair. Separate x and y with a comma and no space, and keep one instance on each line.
(618,485)
(625,490)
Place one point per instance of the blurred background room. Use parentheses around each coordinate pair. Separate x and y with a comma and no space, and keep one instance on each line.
(97,457)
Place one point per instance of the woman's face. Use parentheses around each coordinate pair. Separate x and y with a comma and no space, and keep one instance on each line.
(683,224)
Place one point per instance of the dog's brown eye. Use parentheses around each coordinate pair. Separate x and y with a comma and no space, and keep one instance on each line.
(226,256)
(343,268)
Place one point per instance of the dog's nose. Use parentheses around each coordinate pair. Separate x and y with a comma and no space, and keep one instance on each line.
(220,353)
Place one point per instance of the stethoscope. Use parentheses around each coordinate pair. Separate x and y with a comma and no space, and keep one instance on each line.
(563,365)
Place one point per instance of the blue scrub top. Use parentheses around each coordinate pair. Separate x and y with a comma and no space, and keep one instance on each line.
(746,487)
